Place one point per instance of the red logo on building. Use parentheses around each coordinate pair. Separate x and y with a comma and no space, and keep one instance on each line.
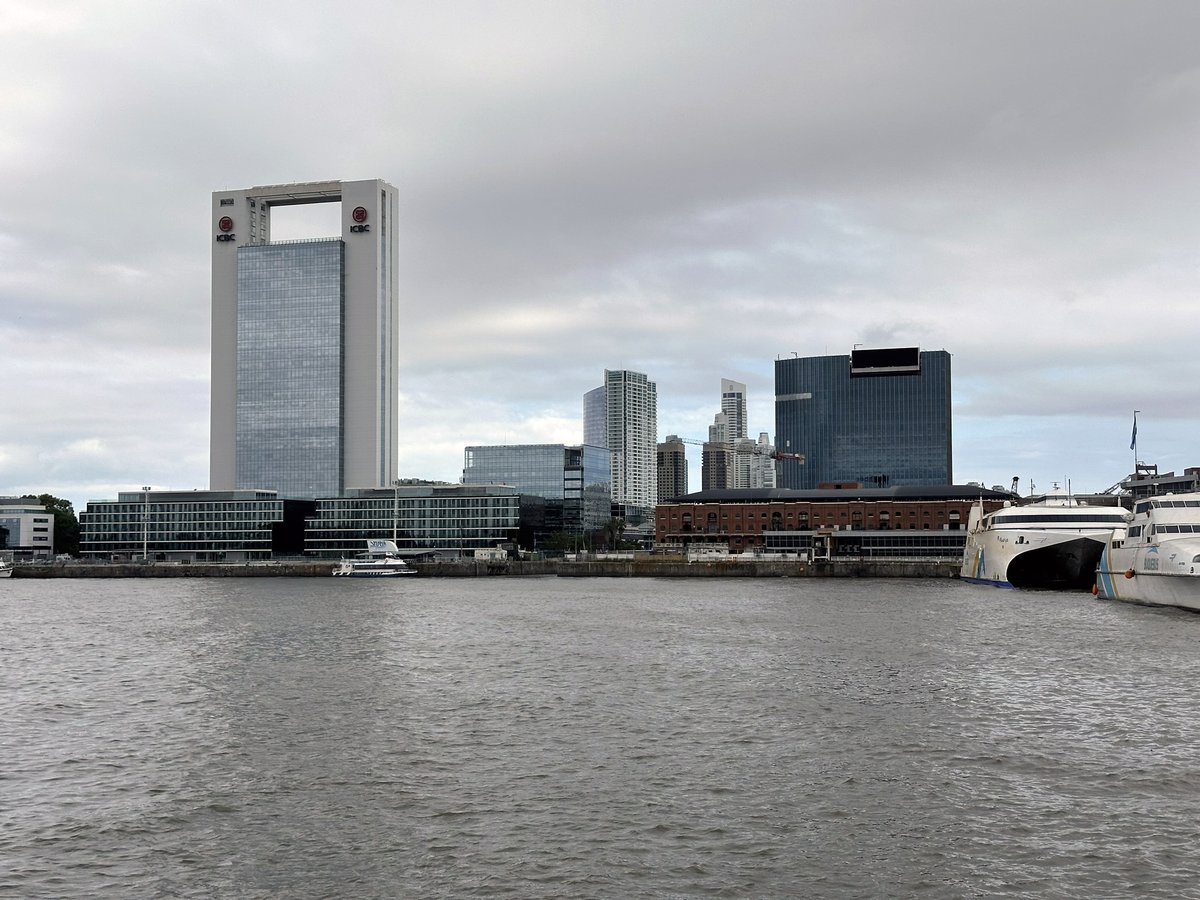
(359,214)
(225,223)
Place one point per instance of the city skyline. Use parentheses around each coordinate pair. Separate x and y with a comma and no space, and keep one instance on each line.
(690,190)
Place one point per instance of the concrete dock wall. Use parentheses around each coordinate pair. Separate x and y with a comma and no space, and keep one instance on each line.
(609,568)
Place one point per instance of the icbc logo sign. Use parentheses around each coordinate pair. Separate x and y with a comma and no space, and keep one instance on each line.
(225,224)
(359,215)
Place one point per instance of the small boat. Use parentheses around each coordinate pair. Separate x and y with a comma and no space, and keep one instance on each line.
(1050,545)
(1156,559)
(381,560)
(6,569)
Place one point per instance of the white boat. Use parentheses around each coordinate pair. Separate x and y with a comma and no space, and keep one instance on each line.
(6,569)
(1053,544)
(1156,560)
(381,560)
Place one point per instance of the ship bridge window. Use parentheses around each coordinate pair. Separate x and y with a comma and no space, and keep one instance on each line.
(1135,531)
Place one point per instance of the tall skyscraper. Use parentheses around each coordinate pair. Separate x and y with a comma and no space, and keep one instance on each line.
(630,405)
(595,417)
(672,468)
(726,433)
(876,417)
(304,343)
(733,405)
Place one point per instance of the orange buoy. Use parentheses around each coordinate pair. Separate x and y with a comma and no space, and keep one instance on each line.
(1095,590)
(1129,573)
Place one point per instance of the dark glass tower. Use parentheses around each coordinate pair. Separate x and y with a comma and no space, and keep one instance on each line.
(880,418)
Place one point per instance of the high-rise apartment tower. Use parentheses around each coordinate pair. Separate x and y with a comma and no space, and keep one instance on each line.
(672,468)
(630,417)
(304,343)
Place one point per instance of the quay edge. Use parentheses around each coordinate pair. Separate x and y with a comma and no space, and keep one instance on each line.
(638,568)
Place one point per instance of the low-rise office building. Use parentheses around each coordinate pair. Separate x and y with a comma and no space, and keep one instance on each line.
(565,489)
(193,526)
(422,517)
(26,529)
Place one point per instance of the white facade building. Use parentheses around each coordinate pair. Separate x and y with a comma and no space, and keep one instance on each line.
(304,343)
(754,463)
(630,434)
(29,528)
(727,469)
(733,407)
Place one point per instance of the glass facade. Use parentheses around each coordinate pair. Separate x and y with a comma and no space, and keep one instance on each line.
(198,526)
(290,367)
(873,426)
(575,481)
(425,517)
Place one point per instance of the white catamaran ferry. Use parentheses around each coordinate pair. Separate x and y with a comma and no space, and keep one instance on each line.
(1054,544)
(1156,560)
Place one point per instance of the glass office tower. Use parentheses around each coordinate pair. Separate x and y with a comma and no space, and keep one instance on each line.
(289,368)
(305,349)
(879,418)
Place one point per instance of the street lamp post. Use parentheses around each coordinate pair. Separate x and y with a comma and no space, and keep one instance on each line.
(146,524)
(395,511)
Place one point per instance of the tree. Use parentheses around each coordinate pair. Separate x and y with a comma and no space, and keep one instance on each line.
(66,526)
(562,542)
(614,531)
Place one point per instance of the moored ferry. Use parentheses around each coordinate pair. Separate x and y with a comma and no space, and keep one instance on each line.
(1156,560)
(381,559)
(1054,544)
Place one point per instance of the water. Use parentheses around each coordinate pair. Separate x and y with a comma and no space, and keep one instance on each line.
(547,737)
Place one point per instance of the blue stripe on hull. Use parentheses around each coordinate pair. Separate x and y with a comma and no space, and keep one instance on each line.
(985,581)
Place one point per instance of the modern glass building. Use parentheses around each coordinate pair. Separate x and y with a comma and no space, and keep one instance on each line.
(575,481)
(193,526)
(876,418)
(304,343)
(289,368)
(448,519)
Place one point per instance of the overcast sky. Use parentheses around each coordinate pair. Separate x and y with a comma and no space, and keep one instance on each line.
(687,189)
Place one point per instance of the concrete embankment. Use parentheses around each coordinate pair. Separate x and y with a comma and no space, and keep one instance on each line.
(173,570)
(615,568)
(678,568)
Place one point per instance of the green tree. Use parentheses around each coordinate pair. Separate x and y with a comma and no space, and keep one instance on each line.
(614,532)
(562,542)
(66,526)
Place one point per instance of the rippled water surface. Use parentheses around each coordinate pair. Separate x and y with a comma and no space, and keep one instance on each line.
(593,738)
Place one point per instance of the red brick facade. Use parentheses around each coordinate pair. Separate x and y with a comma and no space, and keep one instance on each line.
(740,526)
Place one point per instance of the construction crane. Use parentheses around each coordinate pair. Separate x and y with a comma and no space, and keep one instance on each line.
(757,451)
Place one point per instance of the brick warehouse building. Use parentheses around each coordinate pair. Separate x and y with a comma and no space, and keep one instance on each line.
(899,521)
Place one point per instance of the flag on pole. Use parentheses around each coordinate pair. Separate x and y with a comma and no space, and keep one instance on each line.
(1133,440)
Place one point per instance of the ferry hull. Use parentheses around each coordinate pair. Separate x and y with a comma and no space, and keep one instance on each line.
(1151,576)
(1039,562)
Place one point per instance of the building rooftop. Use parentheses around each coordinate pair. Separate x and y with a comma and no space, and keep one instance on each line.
(899,493)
